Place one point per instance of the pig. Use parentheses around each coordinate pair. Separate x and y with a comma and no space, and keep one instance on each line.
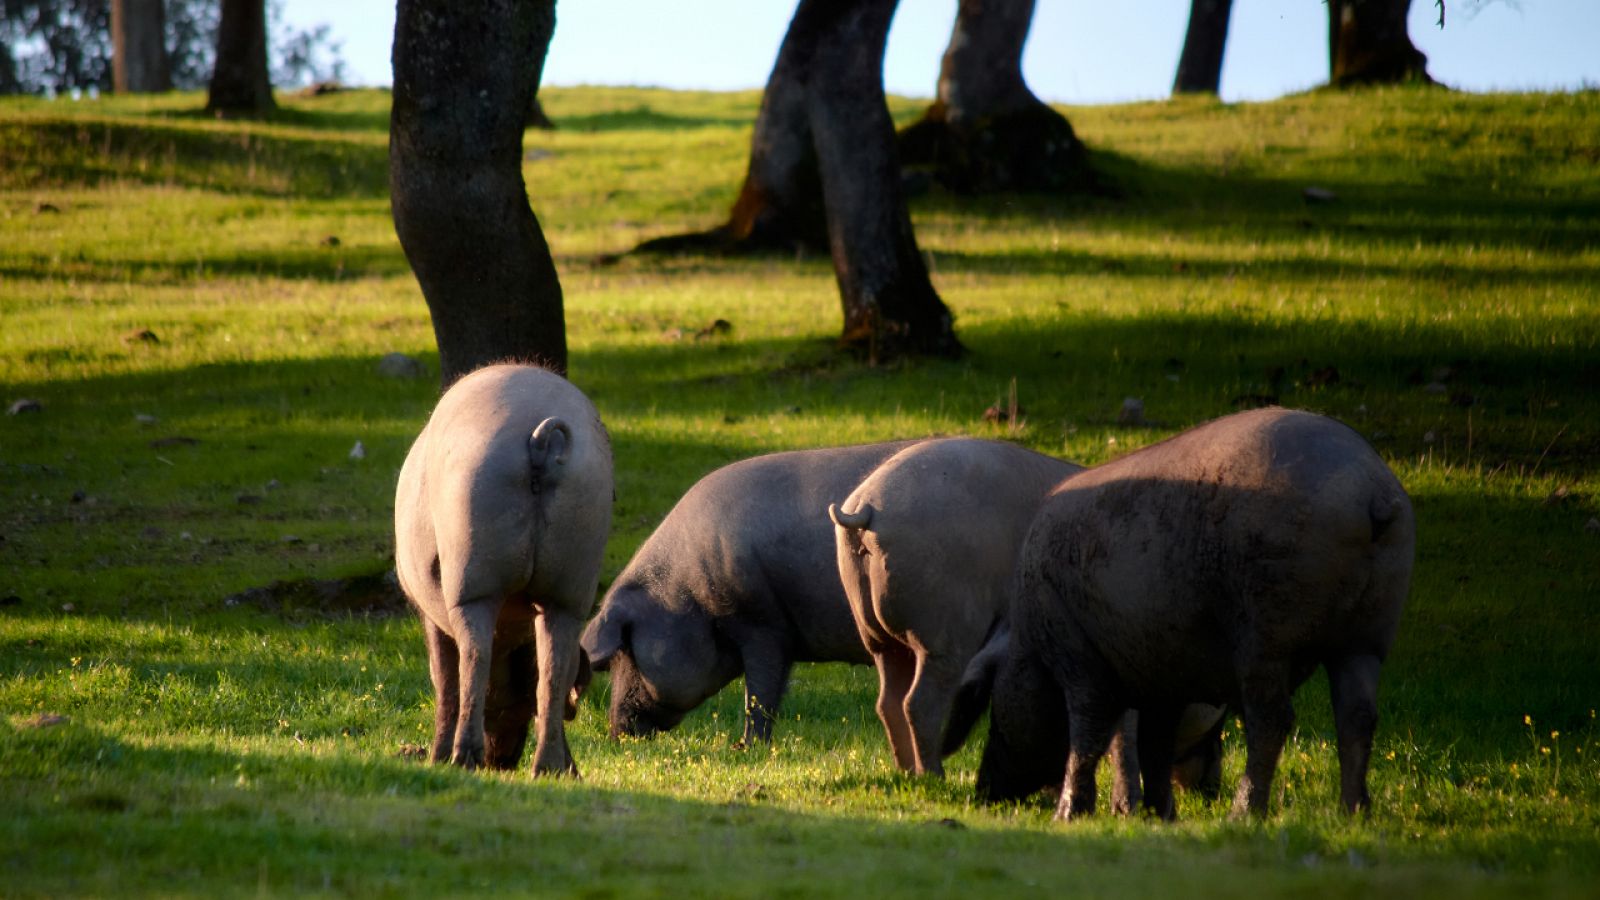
(1222,565)
(501,516)
(1197,756)
(926,546)
(738,578)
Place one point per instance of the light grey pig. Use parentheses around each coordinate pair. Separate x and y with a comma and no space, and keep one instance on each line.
(1220,566)
(926,548)
(739,577)
(501,517)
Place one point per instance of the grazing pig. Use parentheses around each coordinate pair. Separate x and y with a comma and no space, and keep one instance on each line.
(1197,742)
(739,577)
(1220,566)
(926,549)
(501,516)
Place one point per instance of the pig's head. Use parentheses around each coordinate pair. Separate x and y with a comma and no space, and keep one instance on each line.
(663,662)
(1027,747)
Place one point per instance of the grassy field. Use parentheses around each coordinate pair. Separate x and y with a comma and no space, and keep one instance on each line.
(198,309)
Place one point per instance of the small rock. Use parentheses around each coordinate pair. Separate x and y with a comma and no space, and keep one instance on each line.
(359,451)
(141,336)
(291,539)
(274,484)
(145,419)
(1315,194)
(69,607)
(24,406)
(1592,526)
(1132,412)
(1429,437)
(535,154)
(399,365)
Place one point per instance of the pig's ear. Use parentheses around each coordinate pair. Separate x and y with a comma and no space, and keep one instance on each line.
(606,635)
(579,685)
(977,685)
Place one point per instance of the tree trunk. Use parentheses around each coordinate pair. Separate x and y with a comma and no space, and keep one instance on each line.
(536,115)
(240,85)
(1200,64)
(139,53)
(779,206)
(890,307)
(987,131)
(462,89)
(1368,43)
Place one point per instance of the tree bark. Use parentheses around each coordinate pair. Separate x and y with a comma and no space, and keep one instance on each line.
(890,306)
(779,207)
(240,85)
(987,131)
(1200,64)
(462,89)
(139,53)
(1368,43)
(536,115)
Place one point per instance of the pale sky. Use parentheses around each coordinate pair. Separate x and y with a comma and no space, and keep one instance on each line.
(1080,51)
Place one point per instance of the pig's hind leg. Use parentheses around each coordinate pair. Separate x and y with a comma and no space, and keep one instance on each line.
(1353,681)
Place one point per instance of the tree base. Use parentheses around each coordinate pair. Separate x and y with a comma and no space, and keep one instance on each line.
(1031,149)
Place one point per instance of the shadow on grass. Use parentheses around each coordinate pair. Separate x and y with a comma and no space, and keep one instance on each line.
(88,153)
(1196,201)
(644,118)
(313,261)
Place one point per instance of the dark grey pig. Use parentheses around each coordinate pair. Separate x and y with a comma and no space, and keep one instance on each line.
(501,517)
(739,577)
(1197,741)
(926,547)
(1220,566)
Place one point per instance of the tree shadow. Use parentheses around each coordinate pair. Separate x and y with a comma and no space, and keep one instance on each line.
(88,153)
(644,118)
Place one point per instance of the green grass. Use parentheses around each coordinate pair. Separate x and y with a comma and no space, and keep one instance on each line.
(1453,285)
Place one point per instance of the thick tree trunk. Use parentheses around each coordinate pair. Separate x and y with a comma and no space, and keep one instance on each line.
(139,52)
(462,88)
(240,85)
(987,131)
(536,115)
(1200,64)
(890,307)
(779,206)
(1368,43)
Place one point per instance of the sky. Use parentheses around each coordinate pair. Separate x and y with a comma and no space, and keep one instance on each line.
(1079,51)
